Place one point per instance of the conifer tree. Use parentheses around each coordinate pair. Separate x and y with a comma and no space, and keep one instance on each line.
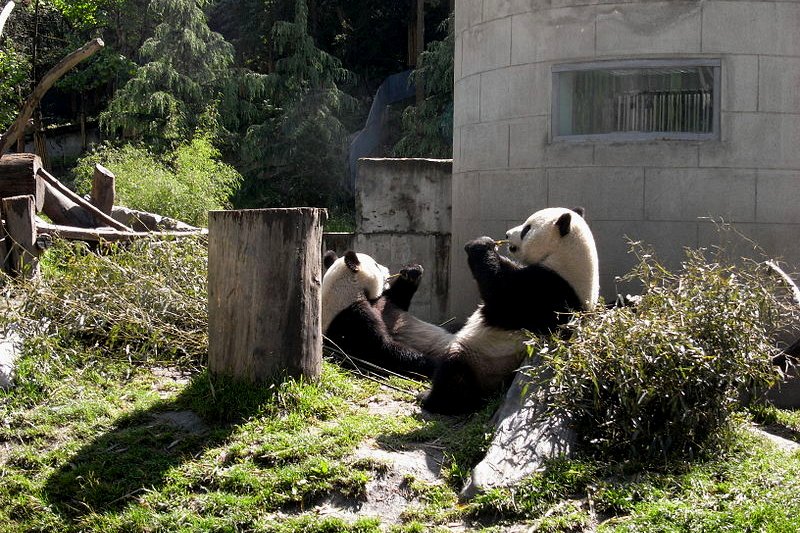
(186,68)
(297,153)
(428,127)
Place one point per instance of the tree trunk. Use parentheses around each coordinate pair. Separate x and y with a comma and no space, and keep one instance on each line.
(264,278)
(103,189)
(19,176)
(420,47)
(20,236)
(48,80)
(63,210)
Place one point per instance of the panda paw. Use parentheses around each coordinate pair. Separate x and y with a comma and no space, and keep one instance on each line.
(412,273)
(481,246)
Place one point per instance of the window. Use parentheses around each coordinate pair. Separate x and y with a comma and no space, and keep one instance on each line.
(636,100)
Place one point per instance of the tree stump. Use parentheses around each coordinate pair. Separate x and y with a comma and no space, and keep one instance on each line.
(103,189)
(20,235)
(18,177)
(264,279)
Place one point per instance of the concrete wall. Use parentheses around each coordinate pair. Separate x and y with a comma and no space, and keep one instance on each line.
(403,216)
(505,165)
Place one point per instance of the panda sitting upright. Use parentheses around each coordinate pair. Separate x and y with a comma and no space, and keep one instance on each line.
(357,313)
(557,274)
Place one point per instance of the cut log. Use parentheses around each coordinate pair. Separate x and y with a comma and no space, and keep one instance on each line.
(103,189)
(61,68)
(19,177)
(64,211)
(100,218)
(20,232)
(106,234)
(144,221)
(264,278)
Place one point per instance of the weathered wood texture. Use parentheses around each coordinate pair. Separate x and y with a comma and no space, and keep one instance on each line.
(52,75)
(19,177)
(264,278)
(144,221)
(107,234)
(99,218)
(62,210)
(103,189)
(20,233)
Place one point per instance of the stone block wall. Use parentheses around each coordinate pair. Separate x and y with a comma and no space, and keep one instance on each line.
(506,165)
(403,216)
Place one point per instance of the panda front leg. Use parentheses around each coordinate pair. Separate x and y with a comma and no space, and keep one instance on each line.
(490,269)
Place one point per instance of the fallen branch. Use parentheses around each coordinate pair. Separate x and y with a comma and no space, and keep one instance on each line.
(53,75)
(99,217)
(106,234)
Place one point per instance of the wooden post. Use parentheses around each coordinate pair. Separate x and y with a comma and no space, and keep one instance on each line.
(20,236)
(103,189)
(264,278)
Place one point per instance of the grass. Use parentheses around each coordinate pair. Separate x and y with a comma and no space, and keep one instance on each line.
(86,442)
(92,455)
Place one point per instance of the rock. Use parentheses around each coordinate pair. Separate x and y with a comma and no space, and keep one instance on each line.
(10,347)
(526,435)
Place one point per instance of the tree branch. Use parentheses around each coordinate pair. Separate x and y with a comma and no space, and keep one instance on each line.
(5,13)
(63,66)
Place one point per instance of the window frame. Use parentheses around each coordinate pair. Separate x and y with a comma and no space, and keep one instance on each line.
(714,63)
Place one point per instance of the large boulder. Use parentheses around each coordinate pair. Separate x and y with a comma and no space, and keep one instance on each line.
(527,434)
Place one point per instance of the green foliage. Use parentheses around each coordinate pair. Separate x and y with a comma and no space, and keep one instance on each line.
(186,63)
(664,377)
(14,70)
(144,303)
(428,127)
(296,155)
(184,184)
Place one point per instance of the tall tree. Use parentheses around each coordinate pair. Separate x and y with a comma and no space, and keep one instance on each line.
(296,155)
(428,126)
(186,65)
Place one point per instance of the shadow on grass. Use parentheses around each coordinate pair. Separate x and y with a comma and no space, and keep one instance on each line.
(134,456)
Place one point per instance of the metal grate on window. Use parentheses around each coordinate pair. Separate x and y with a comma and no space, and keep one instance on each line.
(636,99)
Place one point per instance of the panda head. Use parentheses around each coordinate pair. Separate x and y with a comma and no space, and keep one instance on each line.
(560,239)
(348,279)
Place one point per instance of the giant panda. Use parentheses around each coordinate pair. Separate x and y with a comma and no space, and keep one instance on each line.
(555,273)
(358,310)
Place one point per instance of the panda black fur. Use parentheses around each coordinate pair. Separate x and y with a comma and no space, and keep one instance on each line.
(557,273)
(358,313)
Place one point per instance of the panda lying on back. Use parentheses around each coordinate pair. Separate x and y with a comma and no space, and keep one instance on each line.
(557,274)
(358,314)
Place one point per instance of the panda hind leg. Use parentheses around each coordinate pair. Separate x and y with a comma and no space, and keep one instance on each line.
(455,389)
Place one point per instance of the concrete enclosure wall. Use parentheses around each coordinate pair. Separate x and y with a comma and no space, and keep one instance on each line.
(403,216)
(505,164)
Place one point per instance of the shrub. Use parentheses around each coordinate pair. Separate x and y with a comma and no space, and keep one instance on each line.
(145,302)
(184,184)
(664,377)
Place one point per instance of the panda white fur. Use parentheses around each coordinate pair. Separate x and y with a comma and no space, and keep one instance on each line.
(557,273)
(357,313)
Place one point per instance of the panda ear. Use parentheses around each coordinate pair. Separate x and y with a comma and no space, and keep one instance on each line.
(563,223)
(351,260)
(329,258)
(580,210)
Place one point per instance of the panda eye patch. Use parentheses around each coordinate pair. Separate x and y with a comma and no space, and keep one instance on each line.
(525,231)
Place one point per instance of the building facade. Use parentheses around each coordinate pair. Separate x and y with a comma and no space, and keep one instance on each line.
(661,118)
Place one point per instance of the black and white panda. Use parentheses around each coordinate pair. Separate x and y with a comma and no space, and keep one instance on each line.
(357,313)
(556,273)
